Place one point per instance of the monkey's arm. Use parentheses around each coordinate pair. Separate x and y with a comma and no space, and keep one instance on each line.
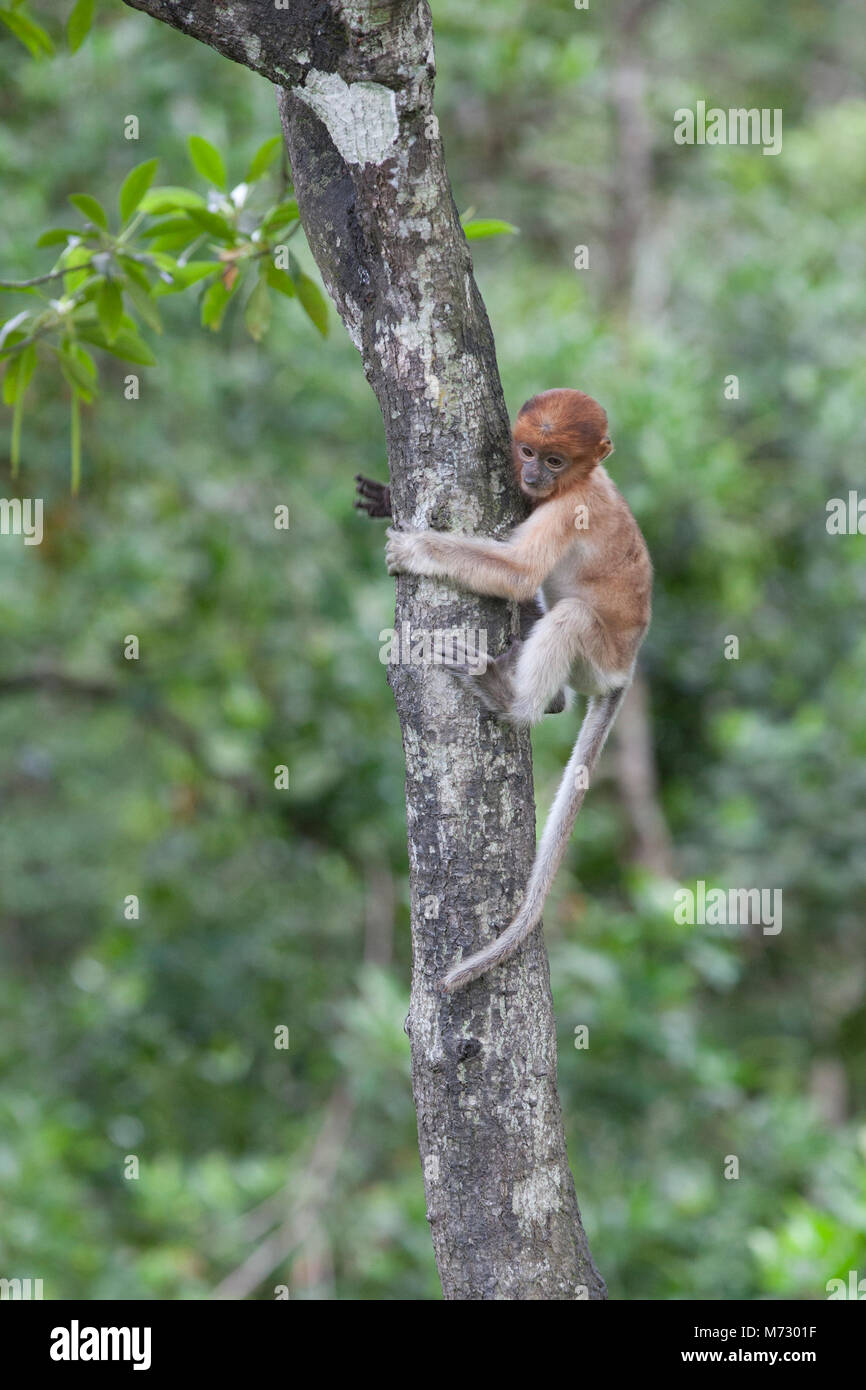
(372,497)
(514,568)
(375,499)
(498,568)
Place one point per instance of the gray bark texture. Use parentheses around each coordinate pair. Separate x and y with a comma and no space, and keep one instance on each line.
(355,93)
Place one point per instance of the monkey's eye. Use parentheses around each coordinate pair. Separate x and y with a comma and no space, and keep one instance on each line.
(526,452)
(554,463)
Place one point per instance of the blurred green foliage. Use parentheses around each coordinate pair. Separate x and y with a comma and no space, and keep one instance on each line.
(259,647)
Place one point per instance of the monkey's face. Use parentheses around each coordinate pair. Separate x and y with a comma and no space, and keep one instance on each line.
(537,472)
(559,437)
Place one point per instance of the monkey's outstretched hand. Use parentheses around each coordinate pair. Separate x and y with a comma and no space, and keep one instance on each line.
(372,497)
(400,551)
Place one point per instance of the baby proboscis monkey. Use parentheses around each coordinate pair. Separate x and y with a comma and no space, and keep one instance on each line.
(581,554)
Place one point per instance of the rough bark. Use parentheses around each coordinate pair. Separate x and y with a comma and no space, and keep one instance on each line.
(356,92)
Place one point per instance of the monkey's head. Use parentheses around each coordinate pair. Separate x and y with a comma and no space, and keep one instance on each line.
(559,437)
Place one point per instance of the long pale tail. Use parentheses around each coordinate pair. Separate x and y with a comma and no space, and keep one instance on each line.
(601,711)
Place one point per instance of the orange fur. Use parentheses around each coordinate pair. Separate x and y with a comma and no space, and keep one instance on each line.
(567,422)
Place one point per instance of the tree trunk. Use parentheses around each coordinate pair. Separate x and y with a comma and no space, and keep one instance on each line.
(356,101)
(635,762)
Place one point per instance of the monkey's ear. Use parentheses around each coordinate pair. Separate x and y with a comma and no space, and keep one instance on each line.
(605,448)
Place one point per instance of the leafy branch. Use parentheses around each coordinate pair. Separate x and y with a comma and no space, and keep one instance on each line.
(104,288)
(16,17)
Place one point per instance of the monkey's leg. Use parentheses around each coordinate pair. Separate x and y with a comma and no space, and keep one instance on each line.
(529,614)
(494,686)
(567,641)
(559,702)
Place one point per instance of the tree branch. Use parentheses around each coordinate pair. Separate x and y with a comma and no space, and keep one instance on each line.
(251,32)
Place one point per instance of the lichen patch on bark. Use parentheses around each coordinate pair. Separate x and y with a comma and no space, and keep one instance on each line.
(361,117)
(534,1199)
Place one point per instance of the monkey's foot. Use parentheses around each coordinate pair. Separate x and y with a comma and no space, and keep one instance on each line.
(494,687)
(372,497)
(461,659)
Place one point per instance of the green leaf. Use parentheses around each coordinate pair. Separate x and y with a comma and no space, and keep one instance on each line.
(70,260)
(80,377)
(217,226)
(78,23)
(26,366)
(179,223)
(15,441)
(55,235)
(159,201)
(135,272)
(214,303)
(127,345)
(82,356)
(480,227)
(28,32)
(185,275)
(207,160)
(17,376)
(10,381)
(90,209)
(175,241)
(163,262)
(280,280)
(145,306)
(263,158)
(134,187)
(257,314)
(311,297)
(109,306)
(280,217)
